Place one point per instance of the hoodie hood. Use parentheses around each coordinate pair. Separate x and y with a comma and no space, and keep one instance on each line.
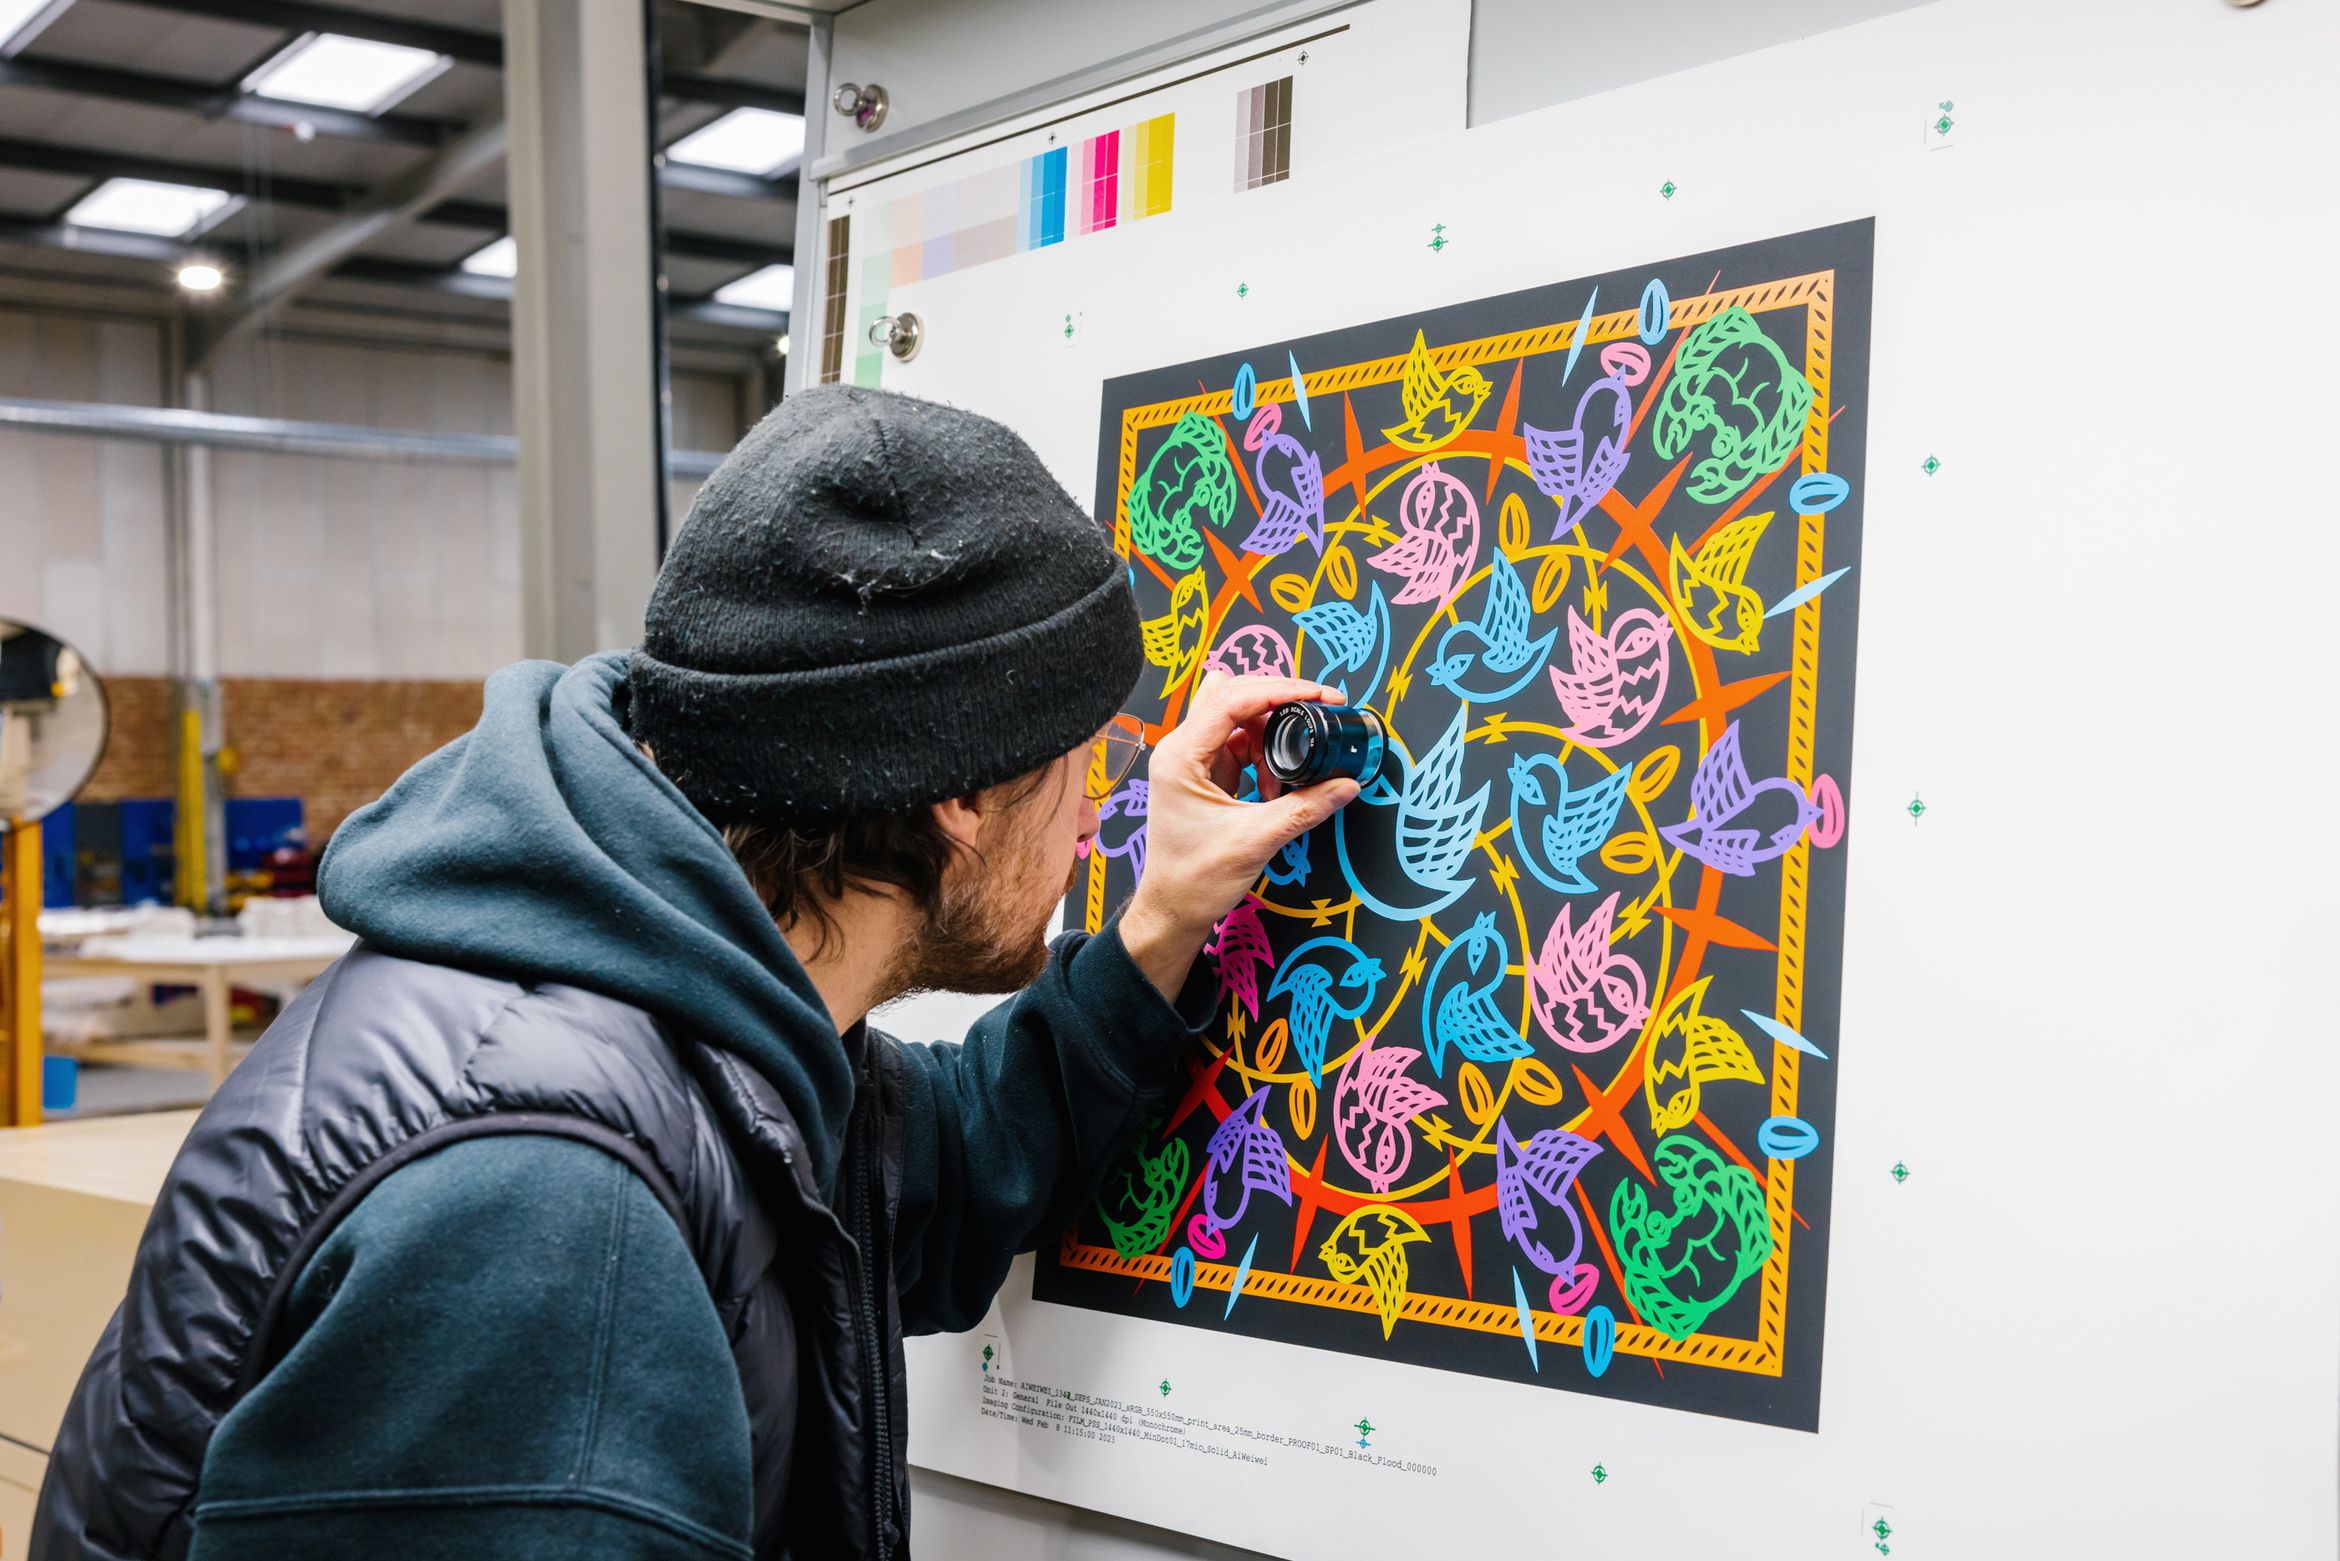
(542,847)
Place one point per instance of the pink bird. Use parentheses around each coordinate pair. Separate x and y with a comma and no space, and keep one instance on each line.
(1255,650)
(1617,680)
(1587,995)
(1438,538)
(1237,943)
(1373,1103)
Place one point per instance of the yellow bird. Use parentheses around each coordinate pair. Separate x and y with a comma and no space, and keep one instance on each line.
(1369,1248)
(1437,406)
(1708,589)
(1175,640)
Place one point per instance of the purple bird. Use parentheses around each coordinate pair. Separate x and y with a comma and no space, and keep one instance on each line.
(1562,465)
(1735,822)
(1294,510)
(1129,803)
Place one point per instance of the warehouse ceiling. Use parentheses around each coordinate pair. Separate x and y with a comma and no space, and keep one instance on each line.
(98,90)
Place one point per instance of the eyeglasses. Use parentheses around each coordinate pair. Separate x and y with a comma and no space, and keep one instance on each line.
(1120,744)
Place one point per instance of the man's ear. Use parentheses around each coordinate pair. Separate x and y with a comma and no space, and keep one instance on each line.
(961,818)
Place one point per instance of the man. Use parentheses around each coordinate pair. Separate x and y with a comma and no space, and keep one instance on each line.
(578,1211)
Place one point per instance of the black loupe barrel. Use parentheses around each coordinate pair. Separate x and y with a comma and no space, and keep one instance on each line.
(1306,743)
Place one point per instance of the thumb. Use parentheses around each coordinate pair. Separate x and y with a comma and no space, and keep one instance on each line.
(1295,813)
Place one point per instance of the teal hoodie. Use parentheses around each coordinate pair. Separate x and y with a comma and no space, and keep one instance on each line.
(507,1348)
(543,846)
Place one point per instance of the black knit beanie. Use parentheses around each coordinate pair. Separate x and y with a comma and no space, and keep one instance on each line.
(877,602)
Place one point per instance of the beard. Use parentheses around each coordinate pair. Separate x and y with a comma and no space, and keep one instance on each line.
(970,943)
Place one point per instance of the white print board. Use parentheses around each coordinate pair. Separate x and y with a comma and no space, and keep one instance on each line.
(2100,1313)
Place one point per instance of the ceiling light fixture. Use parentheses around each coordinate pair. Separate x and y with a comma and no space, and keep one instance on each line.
(502,258)
(145,206)
(21,21)
(770,288)
(357,74)
(747,140)
(196,277)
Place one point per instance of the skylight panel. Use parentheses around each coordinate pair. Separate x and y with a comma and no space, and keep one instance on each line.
(771,288)
(746,140)
(502,258)
(357,74)
(144,206)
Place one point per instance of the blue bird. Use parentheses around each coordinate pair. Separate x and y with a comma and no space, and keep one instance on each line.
(1311,986)
(1350,639)
(1436,827)
(1463,1015)
(1579,821)
(1501,630)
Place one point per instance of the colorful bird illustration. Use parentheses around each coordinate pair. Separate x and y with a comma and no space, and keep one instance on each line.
(1565,470)
(1190,478)
(1139,1202)
(1577,823)
(1374,1105)
(1435,828)
(1291,863)
(1310,976)
(1291,500)
(1586,995)
(1126,804)
(1437,406)
(1255,650)
(1369,1247)
(1495,642)
(1350,639)
(1736,823)
(1245,1140)
(1438,538)
(1734,382)
(1175,640)
(1545,1166)
(1462,1013)
(1709,590)
(1683,1264)
(1690,1050)
(1238,943)
(1617,680)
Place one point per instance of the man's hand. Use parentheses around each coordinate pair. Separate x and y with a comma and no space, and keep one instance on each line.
(1205,849)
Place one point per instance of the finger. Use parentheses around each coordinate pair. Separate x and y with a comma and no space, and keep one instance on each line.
(1296,813)
(1227,766)
(1223,703)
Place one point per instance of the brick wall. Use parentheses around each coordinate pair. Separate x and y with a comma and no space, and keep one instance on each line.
(334,744)
(140,758)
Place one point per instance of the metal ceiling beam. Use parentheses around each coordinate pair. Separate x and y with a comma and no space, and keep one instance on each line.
(458,43)
(189,97)
(463,214)
(280,436)
(319,195)
(279,279)
(92,241)
(488,218)
(408,273)
(304,16)
(726,93)
(81,162)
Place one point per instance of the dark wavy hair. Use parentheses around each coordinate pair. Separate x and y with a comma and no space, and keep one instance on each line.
(798,871)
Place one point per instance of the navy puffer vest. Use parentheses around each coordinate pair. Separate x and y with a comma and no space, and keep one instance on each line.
(382,1060)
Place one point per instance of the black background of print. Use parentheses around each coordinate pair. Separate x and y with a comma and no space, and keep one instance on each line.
(1742,979)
